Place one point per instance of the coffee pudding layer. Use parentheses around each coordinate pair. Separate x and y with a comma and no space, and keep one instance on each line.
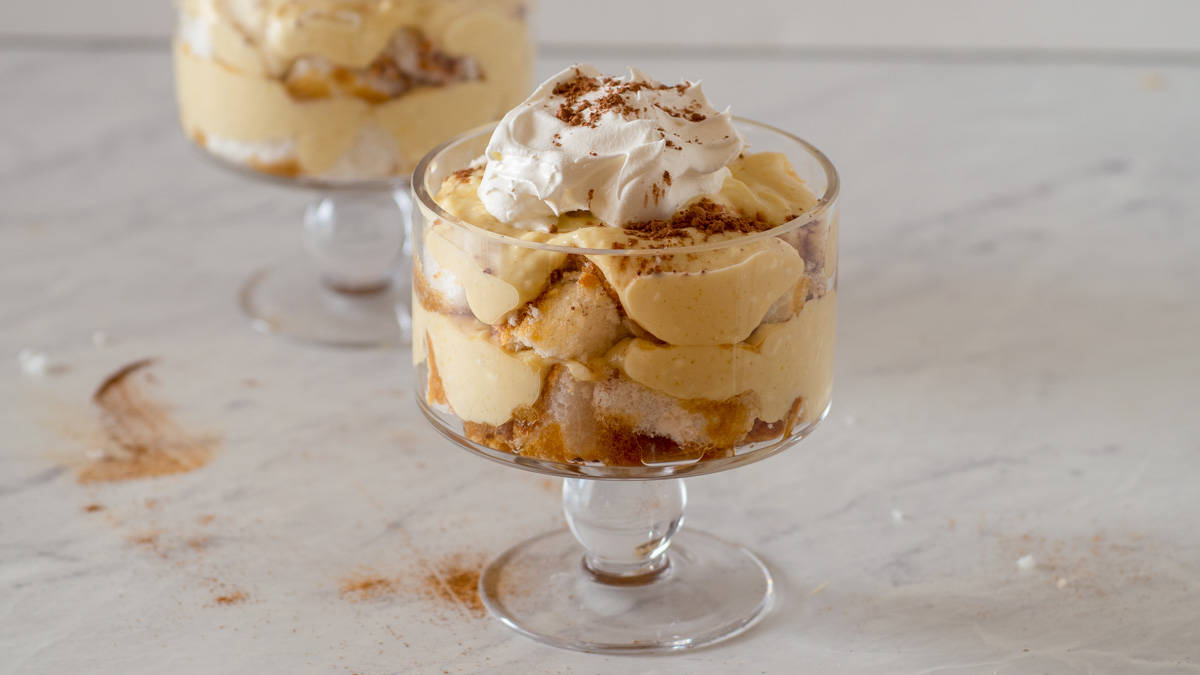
(342,89)
(621,281)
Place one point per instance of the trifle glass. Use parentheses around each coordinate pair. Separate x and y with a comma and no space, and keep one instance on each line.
(624,358)
(343,97)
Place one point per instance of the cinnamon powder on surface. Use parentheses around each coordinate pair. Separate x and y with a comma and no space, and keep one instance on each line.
(452,582)
(232,598)
(455,582)
(362,586)
(142,439)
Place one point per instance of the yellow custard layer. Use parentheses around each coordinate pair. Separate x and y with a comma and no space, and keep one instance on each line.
(735,322)
(777,364)
(713,297)
(235,91)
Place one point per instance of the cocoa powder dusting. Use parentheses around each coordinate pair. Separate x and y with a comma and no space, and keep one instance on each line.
(705,216)
(577,110)
(465,175)
(572,90)
(452,582)
(362,586)
(455,582)
(143,439)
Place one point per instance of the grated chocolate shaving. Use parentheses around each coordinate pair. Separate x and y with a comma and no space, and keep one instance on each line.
(464,175)
(577,110)
(706,216)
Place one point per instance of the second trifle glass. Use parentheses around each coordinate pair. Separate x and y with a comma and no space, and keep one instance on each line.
(342,98)
(721,370)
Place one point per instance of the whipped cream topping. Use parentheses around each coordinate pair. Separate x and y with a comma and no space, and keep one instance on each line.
(626,149)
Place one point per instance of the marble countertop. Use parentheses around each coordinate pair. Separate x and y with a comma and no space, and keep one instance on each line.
(1019,352)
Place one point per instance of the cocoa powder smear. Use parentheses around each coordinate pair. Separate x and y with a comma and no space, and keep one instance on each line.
(142,438)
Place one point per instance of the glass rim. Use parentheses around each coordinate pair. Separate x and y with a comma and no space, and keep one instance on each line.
(824,202)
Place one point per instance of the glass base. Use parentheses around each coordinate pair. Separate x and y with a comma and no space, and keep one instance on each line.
(710,591)
(291,300)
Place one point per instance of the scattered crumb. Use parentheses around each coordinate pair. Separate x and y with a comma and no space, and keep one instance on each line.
(33,363)
(205,519)
(232,598)
(455,581)
(897,516)
(1097,563)
(93,508)
(366,586)
(148,540)
(819,589)
(145,538)
(199,543)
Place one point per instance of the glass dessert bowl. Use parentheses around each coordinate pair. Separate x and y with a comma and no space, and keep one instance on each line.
(343,97)
(695,337)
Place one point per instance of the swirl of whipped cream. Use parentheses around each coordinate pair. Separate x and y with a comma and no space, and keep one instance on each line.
(627,149)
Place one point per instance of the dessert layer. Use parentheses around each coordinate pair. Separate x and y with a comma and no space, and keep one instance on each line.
(710,297)
(270,35)
(485,382)
(217,102)
(779,363)
(482,382)
(246,78)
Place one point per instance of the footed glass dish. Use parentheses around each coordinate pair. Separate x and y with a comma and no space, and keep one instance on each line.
(623,370)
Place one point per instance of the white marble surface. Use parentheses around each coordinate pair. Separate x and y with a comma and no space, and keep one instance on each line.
(1017,374)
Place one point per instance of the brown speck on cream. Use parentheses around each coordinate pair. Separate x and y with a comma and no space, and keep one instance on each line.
(705,216)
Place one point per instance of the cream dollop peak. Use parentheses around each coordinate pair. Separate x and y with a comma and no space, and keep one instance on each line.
(627,149)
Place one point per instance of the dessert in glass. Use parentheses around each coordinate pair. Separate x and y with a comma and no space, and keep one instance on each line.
(343,97)
(621,285)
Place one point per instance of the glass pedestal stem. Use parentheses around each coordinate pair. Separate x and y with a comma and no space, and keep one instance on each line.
(352,288)
(625,527)
(633,585)
(355,237)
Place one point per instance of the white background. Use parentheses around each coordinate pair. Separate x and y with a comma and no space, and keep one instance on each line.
(1069,25)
